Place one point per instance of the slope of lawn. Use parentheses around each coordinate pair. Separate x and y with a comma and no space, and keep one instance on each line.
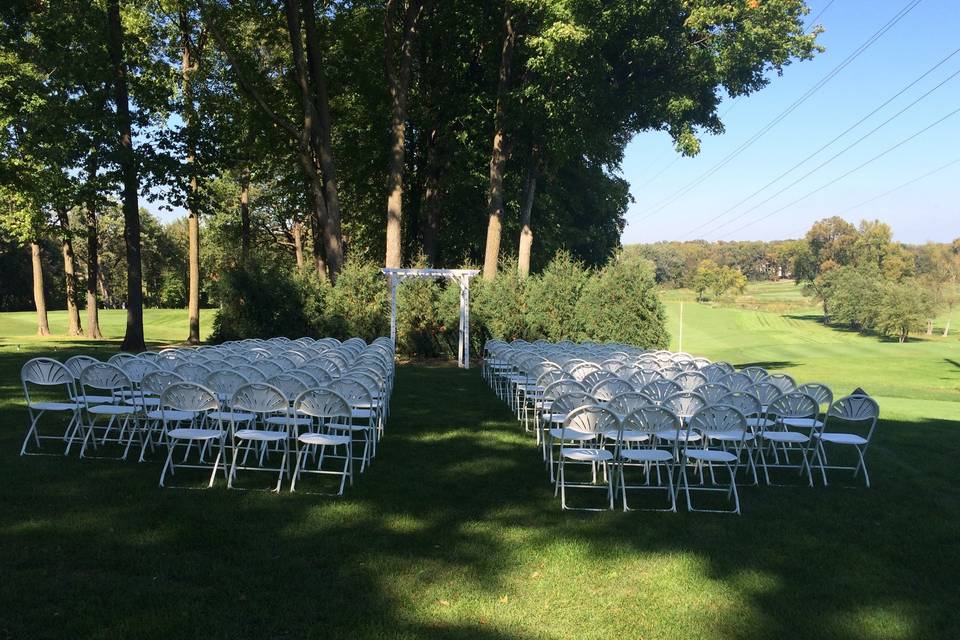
(166,326)
(915,380)
(454,531)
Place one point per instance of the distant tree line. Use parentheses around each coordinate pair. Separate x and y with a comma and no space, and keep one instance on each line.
(379,130)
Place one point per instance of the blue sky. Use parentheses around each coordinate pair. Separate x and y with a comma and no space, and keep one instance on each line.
(928,209)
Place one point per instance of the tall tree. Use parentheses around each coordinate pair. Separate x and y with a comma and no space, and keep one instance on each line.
(398,83)
(66,246)
(133,339)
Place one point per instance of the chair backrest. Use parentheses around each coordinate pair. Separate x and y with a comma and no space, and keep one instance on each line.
(653,420)
(643,377)
(690,380)
(737,382)
(712,392)
(660,390)
(605,390)
(592,419)
(782,381)
(76,364)
(793,405)
(594,378)
(715,420)
(744,402)
(189,396)
(353,391)
(291,385)
(714,373)
(766,393)
(855,408)
(251,373)
(193,372)
(105,377)
(155,382)
(628,402)
(325,404)
(569,401)
(563,387)
(136,368)
(684,403)
(259,398)
(269,368)
(819,392)
(583,369)
(756,374)
(226,382)
(46,372)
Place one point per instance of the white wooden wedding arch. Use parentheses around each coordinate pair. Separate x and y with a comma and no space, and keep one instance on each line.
(462,276)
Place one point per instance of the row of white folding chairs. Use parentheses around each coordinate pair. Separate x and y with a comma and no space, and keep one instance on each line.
(133,419)
(652,436)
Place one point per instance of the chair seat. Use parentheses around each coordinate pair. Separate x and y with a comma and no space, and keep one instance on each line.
(357,412)
(628,436)
(646,455)
(556,418)
(710,455)
(113,409)
(843,438)
(760,423)
(289,422)
(171,414)
(586,455)
(730,436)
(194,434)
(673,436)
(95,399)
(572,434)
(231,416)
(785,436)
(802,423)
(324,439)
(55,406)
(261,434)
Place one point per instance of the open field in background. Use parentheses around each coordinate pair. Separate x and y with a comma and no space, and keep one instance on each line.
(455,533)
(914,381)
(166,326)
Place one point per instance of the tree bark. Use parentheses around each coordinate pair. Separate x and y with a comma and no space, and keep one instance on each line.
(188,65)
(133,338)
(499,155)
(946,328)
(430,206)
(39,297)
(297,232)
(245,214)
(526,230)
(70,275)
(323,145)
(398,84)
(93,272)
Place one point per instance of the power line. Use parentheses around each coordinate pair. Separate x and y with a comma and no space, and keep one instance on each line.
(834,156)
(901,186)
(786,112)
(821,12)
(844,175)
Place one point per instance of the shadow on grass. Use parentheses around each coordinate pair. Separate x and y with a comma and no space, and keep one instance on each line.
(768,364)
(454,532)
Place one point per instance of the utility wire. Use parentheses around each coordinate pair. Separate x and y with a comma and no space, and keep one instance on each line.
(901,186)
(844,175)
(834,156)
(820,13)
(786,112)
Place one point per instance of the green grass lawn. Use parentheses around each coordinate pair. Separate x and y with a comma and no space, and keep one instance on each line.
(454,532)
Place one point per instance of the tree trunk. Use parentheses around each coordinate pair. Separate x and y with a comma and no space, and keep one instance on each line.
(39,297)
(398,84)
(188,65)
(245,214)
(322,144)
(297,232)
(946,328)
(499,155)
(133,338)
(526,231)
(70,275)
(430,229)
(93,272)
(929,326)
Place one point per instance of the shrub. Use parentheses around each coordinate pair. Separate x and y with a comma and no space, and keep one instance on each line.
(552,298)
(501,304)
(419,323)
(264,300)
(620,303)
(358,305)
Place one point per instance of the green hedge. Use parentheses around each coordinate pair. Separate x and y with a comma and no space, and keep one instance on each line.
(565,301)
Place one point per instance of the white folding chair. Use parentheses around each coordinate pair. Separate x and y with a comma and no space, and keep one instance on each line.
(49,374)
(182,399)
(713,423)
(581,443)
(123,414)
(258,436)
(641,445)
(331,418)
(853,409)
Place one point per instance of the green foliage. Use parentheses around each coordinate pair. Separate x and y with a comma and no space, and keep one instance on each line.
(358,305)
(501,304)
(552,299)
(620,303)
(906,308)
(718,279)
